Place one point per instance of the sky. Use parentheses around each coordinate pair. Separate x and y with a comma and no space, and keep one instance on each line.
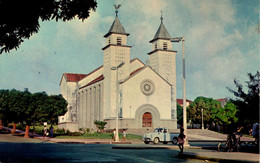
(221,44)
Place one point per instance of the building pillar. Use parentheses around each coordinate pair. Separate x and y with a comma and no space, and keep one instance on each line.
(88,108)
(97,109)
(84,108)
(92,107)
(101,102)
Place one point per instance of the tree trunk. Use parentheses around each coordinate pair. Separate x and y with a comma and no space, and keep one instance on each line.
(26,134)
(14,128)
(1,125)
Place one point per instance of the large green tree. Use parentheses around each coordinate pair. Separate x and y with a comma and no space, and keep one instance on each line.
(225,115)
(18,106)
(195,110)
(212,112)
(19,19)
(247,100)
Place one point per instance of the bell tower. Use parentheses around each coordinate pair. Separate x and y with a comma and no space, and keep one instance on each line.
(116,51)
(163,60)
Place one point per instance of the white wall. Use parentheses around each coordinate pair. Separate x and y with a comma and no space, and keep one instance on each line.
(134,97)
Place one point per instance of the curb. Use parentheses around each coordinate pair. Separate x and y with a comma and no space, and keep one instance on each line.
(190,155)
(153,147)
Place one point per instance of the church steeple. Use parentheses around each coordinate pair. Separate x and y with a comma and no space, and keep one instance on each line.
(161,33)
(163,61)
(116,27)
(116,51)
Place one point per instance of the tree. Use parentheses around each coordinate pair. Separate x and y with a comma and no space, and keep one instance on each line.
(179,114)
(225,115)
(247,103)
(57,106)
(4,106)
(195,109)
(20,19)
(48,108)
(25,107)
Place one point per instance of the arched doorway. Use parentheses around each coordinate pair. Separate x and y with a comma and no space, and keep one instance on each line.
(147,119)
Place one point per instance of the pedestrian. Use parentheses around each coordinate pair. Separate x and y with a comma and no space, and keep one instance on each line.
(124,135)
(181,138)
(51,131)
(114,135)
(255,132)
(45,131)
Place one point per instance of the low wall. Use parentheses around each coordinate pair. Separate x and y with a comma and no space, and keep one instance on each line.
(72,126)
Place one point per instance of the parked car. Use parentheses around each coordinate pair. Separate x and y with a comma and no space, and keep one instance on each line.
(160,135)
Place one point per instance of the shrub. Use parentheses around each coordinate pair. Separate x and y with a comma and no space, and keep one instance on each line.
(75,134)
(100,125)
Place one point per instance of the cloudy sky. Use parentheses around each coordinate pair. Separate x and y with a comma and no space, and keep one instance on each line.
(222,43)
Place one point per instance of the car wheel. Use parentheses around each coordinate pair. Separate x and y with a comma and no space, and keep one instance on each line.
(156,140)
(146,142)
(174,141)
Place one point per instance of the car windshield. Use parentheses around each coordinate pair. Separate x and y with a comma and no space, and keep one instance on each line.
(158,130)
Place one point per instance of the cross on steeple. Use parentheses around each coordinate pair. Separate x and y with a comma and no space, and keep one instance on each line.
(161,17)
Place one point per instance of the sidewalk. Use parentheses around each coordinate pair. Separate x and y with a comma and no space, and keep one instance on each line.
(222,156)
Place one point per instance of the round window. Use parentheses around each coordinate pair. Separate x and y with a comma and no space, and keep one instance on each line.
(147,87)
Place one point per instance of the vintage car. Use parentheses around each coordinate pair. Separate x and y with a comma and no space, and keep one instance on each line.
(160,135)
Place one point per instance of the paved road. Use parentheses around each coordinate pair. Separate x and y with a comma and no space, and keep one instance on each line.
(52,152)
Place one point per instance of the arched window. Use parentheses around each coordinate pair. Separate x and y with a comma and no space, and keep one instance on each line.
(147,120)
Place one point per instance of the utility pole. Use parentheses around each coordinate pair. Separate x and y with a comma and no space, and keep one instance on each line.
(117,101)
(178,39)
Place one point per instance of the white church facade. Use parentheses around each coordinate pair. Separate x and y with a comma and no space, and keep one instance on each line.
(144,94)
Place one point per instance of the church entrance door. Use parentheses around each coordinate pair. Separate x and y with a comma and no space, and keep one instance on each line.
(147,120)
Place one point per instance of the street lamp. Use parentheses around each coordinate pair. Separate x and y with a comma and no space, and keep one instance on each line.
(117,92)
(178,39)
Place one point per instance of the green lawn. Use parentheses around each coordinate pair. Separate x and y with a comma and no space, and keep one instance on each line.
(100,136)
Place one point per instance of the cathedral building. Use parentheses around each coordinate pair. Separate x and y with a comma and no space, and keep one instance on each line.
(143,96)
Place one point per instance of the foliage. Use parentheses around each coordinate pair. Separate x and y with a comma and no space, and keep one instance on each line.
(22,107)
(60,132)
(247,103)
(179,114)
(20,19)
(212,112)
(100,125)
(225,116)
(207,104)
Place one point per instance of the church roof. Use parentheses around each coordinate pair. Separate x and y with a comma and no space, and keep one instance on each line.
(161,33)
(101,77)
(116,27)
(71,77)
(180,101)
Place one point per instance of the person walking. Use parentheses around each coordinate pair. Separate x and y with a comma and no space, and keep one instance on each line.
(124,135)
(114,135)
(181,138)
(45,131)
(51,131)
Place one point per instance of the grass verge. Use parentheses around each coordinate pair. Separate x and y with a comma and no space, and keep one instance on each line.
(100,136)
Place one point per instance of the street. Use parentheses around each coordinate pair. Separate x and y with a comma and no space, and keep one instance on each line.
(52,152)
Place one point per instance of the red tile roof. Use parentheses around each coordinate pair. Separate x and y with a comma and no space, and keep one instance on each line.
(180,101)
(101,77)
(135,71)
(222,99)
(70,77)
